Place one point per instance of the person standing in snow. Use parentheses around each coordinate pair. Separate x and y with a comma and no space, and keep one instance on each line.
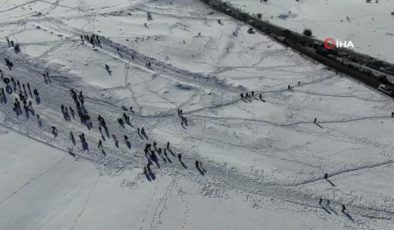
(108,70)
(325,176)
(343,208)
(54,131)
(100,145)
(72,138)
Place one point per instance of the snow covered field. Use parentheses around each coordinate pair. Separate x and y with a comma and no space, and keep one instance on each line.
(370,26)
(263,162)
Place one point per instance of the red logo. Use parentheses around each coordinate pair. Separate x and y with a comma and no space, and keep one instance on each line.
(329,43)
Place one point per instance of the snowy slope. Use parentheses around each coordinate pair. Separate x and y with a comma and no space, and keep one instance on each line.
(264,161)
(370,26)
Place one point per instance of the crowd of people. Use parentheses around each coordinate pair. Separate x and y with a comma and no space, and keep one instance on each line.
(23,96)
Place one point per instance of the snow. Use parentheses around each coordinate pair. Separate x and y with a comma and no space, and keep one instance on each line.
(370,27)
(264,161)
(85,198)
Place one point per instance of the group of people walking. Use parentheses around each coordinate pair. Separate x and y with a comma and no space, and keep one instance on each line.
(249,96)
(93,39)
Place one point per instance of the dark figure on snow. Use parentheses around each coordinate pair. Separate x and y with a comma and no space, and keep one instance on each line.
(180,112)
(242,96)
(315,120)
(54,131)
(261,98)
(100,145)
(343,208)
(108,69)
(147,148)
(8,63)
(127,118)
(28,87)
(82,138)
(149,16)
(120,121)
(72,138)
(81,97)
(72,113)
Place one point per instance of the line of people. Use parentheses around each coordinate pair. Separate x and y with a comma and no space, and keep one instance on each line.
(93,39)
(248,97)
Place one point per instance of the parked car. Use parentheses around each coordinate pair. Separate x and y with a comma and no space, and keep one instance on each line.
(386,89)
